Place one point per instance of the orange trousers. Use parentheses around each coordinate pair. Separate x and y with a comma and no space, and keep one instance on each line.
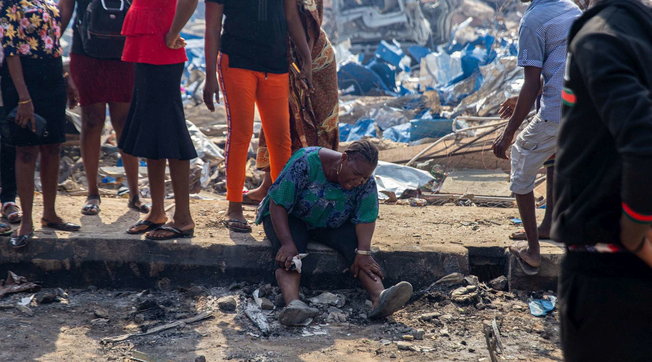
(243,90)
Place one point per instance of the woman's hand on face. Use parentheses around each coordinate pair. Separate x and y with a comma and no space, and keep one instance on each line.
(174,41)
(211,92)
(366,264)
(285,255)
(25,116)
(73,94)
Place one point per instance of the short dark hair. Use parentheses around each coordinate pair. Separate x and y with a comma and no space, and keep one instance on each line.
(365,149)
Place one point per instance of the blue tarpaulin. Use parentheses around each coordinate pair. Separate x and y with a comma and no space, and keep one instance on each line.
(418,129)
(361,128)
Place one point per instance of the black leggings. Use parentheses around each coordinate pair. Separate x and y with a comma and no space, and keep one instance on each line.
(342,239)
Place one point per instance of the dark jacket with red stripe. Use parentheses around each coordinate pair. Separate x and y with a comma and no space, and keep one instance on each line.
(604,161)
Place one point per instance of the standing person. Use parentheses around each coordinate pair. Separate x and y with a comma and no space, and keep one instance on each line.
(102,82)
(542,52)
(8,207)
(329,197)
(254,68)
(604,199)
(313,115)
(156,125)
(34,90)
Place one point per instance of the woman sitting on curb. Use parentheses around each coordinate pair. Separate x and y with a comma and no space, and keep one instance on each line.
(329,197)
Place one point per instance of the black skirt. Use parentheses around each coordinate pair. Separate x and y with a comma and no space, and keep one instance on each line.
(47,89)
(156,125)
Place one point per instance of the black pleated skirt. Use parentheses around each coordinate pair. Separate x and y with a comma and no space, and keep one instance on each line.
(156,125)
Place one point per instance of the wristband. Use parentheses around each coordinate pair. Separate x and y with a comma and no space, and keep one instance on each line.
(363,252)
(25,101)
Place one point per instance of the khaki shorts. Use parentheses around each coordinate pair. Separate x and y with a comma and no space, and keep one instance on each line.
(533,147)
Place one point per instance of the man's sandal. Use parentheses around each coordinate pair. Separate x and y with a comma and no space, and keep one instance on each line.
(150,226)
(176,233)
(142,208)
(238,226)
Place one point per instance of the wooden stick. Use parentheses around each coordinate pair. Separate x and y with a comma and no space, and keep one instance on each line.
(124,337)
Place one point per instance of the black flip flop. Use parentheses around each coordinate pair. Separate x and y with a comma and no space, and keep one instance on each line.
(150,226)
(18,242)
(232,225)
(143,209)
(61,226)
(176,233)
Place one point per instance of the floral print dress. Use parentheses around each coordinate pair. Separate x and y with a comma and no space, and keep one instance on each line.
(30,28)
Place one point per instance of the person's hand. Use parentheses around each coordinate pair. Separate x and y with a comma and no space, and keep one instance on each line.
(306,77)
(366,264)
(507,108)
(502,143)
(73,94)
(211,92)
(174,41)
(25,116)
(285,255)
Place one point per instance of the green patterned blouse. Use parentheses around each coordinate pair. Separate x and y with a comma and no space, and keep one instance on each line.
(303,190)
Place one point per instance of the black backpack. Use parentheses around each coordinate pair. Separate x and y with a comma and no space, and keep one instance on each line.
(100,26)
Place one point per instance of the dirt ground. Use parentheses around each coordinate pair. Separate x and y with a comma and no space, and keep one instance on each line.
(71,328)
(399,226)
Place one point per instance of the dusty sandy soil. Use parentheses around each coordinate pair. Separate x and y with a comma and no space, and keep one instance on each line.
(403,227)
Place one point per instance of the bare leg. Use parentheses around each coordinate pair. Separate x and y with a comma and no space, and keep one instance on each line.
(546,223)
(235,211)
(374,288)
(119,113)
(156,176)
(259,193)
(93,117)
(49,180)
(179,171)
(25,167)
(526,208)
(288,281)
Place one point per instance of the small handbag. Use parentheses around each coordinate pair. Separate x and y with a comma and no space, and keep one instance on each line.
(41,123)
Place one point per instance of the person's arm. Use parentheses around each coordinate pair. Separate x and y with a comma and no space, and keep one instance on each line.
(66,9)
(524,104)
(185,9)
(25,113)
(298,36)
(288,248)
(624,104)
(365,263)
(212,44)
(531,54)
(283,195)
(364,218)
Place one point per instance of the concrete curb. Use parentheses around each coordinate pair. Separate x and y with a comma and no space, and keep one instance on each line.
(124,263)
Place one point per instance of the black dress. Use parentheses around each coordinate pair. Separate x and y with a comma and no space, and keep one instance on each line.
(47,89)
(156,125)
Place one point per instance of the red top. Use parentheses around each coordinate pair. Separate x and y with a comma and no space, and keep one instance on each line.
(145,26)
